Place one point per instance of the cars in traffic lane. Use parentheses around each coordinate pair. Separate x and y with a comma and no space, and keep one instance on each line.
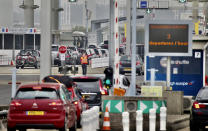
(41,105)
(91,89)
(199,111)
(75,95)
(125,65)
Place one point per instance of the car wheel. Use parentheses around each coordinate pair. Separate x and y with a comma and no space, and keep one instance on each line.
(79,123)
(65,125)
(193,127)
(22,129)
(74,128)
(22,67)
(11,129)
(36,66)
(17,67)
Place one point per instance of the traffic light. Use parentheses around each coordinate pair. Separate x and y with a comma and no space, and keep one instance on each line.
(182,1)
(108,81)
(72,0)
(148,11)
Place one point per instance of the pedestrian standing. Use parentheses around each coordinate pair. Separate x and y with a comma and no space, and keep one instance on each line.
(84,62)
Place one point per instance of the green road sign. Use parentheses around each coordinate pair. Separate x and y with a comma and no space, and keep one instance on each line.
(117,106)
(145,106)
(114,106)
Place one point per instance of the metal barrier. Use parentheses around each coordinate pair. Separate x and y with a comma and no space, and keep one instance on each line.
(5,60)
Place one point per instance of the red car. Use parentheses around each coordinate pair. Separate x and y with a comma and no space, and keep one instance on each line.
(78,102)
(42,106)
(74,93)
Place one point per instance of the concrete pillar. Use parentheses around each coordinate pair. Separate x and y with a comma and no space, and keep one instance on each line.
(55,20)
(111,45)
(55,14)
(128,35)
(195,6)
(29,13)
(45,47)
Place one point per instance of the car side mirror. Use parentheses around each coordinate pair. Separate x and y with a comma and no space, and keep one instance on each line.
(193,97)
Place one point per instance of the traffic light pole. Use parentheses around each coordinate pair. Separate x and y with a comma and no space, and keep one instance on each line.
(86,44)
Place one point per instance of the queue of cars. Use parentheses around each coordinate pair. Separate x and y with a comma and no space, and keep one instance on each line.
(73,54)
(56,103)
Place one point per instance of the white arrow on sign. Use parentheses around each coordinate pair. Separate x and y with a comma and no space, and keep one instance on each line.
(155,106)
(119,106)
(142,106)
(163,104)
(108,105)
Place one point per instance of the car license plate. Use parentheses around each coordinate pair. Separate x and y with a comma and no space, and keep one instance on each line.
(30,113)
(127,69)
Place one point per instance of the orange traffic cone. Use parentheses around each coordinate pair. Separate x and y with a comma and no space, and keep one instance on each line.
(11,63)
(106,122)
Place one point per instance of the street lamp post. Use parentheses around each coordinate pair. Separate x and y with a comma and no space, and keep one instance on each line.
(86,43)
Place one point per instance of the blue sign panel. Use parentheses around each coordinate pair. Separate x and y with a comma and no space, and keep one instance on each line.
(143,4)
(186,72)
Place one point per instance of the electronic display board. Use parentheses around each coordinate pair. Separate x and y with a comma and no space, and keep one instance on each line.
(169,38)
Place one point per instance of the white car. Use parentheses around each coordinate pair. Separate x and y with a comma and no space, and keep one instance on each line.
(105,52)
(55,54)
(124,82)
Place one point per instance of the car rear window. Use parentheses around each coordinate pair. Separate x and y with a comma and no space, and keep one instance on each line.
(125,58)
(30,93)
(54,48)
(85,80)
(203,94)
(88,86)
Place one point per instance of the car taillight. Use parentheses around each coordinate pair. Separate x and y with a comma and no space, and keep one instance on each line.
(57,55)
(137,63)
(15,104)
(55,104)
(67,56)
(103,92)
(197,105)
(19,57)
(120,63)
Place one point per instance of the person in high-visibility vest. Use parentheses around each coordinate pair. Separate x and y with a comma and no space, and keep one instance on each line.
(84,62)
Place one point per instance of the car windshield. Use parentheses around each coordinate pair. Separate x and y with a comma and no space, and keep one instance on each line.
(30,93)
(54,48)
(34,53)
(88,86)
(96,51)
(23,52)
(202,94)
(92,46)
(125,58)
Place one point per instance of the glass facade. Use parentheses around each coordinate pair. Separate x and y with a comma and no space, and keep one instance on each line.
(1,46)
(29,41)
(18,42)
(8,41)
